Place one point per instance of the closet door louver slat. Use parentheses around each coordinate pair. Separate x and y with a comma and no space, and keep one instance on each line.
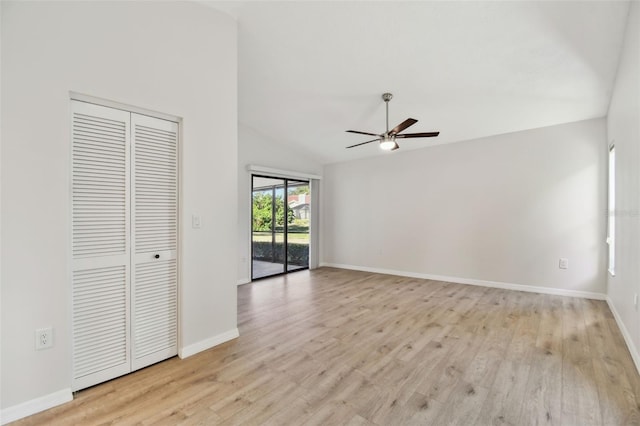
(155,233)
(100,341)
(155,311)
(98,205)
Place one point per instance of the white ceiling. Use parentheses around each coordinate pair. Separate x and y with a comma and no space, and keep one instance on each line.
(308,71)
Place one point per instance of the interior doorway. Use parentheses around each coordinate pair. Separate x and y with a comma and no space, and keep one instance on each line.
(280,221)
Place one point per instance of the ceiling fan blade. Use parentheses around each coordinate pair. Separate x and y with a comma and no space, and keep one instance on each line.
(418,135)
(400,127)
(363,143)
(362,133)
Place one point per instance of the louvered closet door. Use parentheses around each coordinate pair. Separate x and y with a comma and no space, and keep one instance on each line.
(155,240)
(100,243)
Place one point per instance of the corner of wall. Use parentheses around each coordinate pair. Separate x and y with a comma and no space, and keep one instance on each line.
(625,333)
(208,343)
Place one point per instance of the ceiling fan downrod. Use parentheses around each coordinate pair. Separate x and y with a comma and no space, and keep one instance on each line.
(386,97)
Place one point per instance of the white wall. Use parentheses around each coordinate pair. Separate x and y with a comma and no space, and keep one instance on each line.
(623,128)
(500,209)
(256,149)
(175,57)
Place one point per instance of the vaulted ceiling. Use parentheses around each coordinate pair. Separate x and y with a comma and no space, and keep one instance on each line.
(308,71)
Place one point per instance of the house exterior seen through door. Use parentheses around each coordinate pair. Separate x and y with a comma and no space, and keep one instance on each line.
(280,219)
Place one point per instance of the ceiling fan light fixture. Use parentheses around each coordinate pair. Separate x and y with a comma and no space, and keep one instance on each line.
(388,143)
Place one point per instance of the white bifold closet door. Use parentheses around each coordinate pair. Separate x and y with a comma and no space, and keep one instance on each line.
(154,293)
(124,242)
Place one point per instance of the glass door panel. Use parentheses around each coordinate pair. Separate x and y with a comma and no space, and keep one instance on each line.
(299,203)
(268,210)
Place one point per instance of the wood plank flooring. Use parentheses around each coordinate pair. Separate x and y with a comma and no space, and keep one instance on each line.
(337,347)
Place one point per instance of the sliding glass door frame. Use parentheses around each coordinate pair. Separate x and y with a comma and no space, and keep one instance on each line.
(285,256)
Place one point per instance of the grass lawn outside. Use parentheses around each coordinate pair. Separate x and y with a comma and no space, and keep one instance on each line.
(294,237)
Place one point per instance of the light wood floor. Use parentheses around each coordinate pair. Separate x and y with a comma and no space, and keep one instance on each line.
(334,347)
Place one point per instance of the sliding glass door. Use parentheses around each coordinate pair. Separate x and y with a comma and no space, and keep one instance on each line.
(280,226)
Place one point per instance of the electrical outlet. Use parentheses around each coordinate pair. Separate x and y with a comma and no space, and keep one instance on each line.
(564,263)
(44,338)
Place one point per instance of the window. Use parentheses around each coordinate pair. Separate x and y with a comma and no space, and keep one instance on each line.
(611,226)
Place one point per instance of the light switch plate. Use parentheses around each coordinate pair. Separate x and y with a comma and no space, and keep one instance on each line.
(564,263)
(195,221)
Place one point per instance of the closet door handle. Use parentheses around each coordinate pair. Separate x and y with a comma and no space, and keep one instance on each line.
(157,256)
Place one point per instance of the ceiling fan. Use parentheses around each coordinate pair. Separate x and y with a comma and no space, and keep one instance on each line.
(388,139)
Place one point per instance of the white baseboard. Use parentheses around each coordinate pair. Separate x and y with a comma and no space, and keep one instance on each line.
(34,406)
(471,281)
(205,344)
(242,281)
(625,333)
